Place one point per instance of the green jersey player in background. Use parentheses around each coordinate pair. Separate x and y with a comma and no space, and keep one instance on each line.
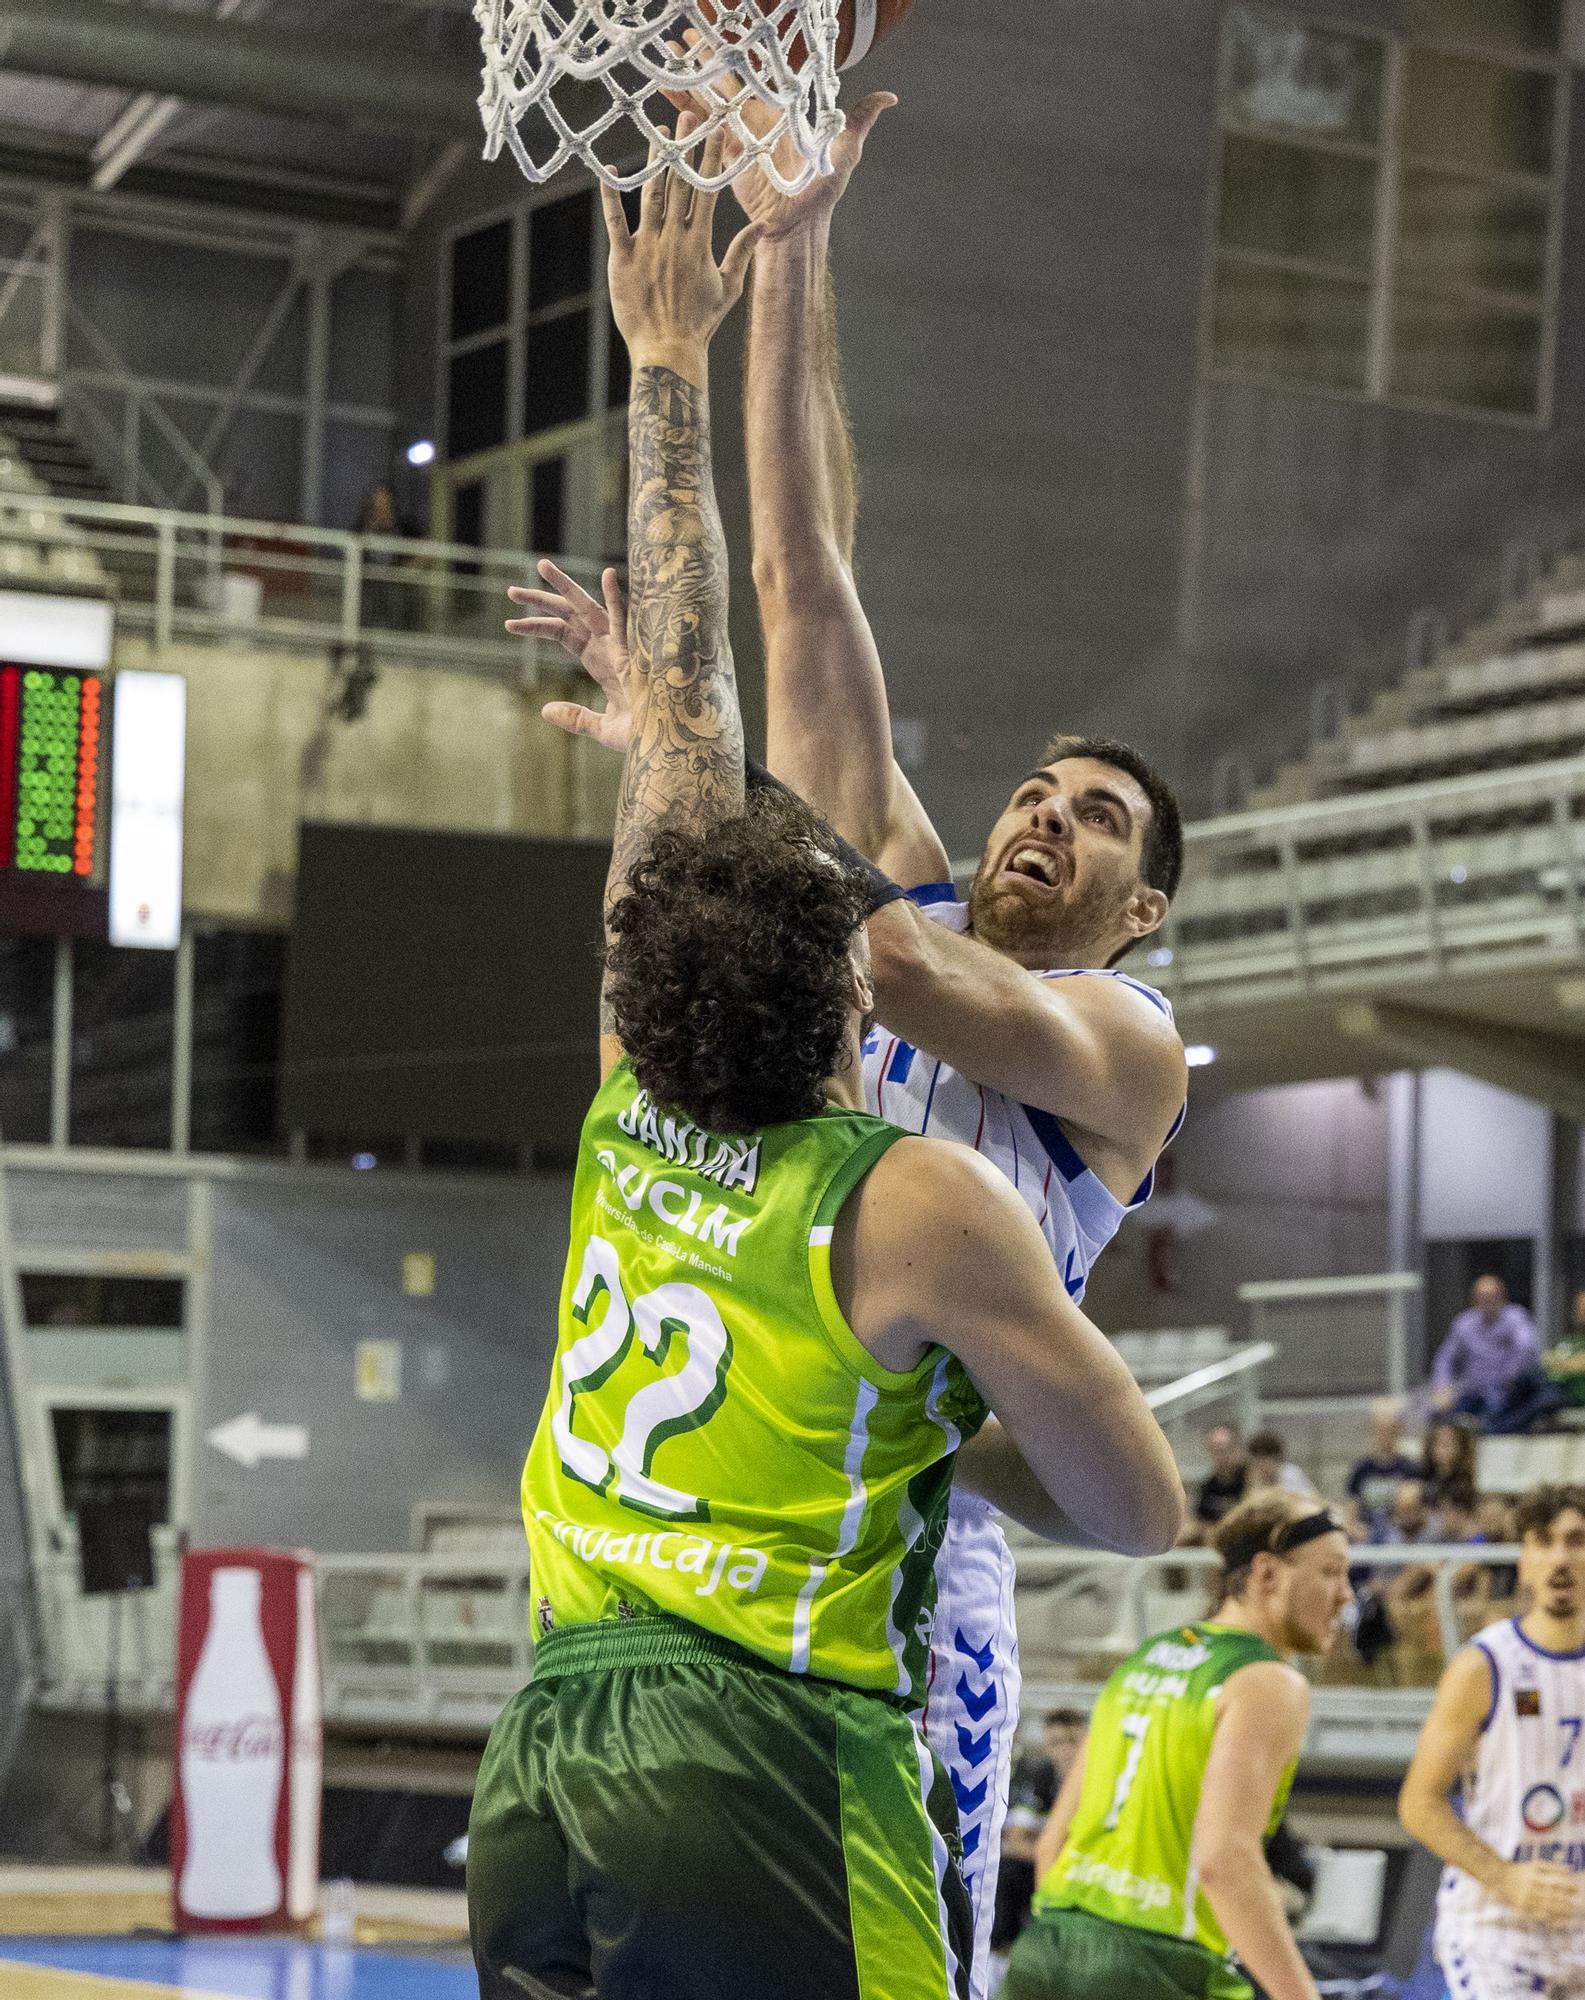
(1152,1869)
(780,1328)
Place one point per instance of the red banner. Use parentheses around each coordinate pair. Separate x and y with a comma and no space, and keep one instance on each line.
(247,1785)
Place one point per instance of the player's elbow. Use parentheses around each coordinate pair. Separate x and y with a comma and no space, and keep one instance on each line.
(1226,1860)
(798,576)
(1154,1523)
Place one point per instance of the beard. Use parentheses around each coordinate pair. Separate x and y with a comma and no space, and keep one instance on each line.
(1050,935)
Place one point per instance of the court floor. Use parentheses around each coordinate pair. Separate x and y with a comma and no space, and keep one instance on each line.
(103,1934)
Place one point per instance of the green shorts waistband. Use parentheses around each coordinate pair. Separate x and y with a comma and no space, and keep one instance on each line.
(615,1643)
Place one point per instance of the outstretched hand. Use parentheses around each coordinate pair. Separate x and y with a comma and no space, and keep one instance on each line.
(593,634)
(668,294)
(758,196)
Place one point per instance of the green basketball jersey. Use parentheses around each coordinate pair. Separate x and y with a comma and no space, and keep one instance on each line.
(716,1443)
(1128,1855)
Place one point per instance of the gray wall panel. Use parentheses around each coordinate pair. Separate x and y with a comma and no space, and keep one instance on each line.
(301,1275)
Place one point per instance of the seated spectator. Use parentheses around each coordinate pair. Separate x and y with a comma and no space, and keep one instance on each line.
(1036,1782)
(1374,1480)
(1564,1363)
(1223,1486)
(1457,1517)
(1410,1519)
(1268,1466)
(1489,1366)
(1449,1458)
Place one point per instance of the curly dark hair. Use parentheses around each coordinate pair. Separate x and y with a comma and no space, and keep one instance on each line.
(728,970)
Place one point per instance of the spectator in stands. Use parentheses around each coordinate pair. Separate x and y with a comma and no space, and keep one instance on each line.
(1036,1782)
(1268,1466)
(1410,1520)
(386,602)
(1564,1363)
(1489,1366)
(1457,1517)
(1374,1480)
(1449,1458)
(1223,1486)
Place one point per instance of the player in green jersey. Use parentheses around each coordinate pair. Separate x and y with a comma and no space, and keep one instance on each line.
(1152,1866)
(781,1324)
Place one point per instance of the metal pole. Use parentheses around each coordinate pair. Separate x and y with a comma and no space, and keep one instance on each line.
(182,1047)
(52,338)
(61,1047)
(316,393)
(164,584)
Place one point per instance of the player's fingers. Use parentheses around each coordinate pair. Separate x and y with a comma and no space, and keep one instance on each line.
(734,265)
(652,203)
(615,218)
(541,628)
(544,602)
(569,587)
(568,716)
(866,114)
(615,602)
(710,158)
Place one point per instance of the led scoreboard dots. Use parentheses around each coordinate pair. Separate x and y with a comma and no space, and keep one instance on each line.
(50,728)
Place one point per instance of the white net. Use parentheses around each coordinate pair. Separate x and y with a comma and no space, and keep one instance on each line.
(568,79)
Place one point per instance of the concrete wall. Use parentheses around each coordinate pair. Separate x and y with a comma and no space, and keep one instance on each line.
(435,749)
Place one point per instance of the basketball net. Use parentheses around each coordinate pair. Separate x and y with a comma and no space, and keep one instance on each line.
(780,54)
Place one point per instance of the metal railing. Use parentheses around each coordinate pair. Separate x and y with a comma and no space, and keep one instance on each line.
(1462,874)
(210,578)
(437,1644)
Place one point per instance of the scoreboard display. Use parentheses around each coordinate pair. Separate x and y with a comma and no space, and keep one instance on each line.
(55,778)
(51,725)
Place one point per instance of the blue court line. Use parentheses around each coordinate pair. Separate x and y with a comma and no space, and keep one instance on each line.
(251,1968)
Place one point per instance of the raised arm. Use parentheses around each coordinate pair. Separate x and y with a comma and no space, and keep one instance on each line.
(1262,1714)
(684,756)
(937,1250)
(829,723)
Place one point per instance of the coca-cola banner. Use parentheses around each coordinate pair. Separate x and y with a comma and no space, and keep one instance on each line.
(245,1800)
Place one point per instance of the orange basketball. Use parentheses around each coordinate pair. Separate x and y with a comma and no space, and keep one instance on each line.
(865,25)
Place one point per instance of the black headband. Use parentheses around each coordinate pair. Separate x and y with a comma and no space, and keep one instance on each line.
(1308,1528)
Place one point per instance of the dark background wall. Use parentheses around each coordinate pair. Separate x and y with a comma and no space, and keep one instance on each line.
(1020,266)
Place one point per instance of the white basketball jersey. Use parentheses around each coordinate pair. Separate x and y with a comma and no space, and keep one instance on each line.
(1078,1214)
(1526,1794)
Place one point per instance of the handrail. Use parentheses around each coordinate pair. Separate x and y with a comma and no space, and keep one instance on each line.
(1214,1375)
(1271,1291)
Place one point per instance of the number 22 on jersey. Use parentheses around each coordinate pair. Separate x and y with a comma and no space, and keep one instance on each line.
(650,1412)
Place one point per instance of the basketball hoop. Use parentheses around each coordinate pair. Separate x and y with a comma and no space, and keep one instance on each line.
(626,54)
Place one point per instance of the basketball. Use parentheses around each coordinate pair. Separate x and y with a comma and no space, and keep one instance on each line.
(865,25)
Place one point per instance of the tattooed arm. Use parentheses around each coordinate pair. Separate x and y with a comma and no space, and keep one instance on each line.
(685,755)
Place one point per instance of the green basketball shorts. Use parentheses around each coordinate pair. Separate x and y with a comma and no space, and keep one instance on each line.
(661,1816)
(1061,1953)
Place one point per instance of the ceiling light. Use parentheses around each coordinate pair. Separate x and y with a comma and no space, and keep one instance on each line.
(421,453)
(1199,1055)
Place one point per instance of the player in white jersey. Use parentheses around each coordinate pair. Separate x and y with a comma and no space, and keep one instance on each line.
(1071,1084)
(1505,1731)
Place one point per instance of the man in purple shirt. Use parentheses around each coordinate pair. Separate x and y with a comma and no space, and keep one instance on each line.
(1490,1364)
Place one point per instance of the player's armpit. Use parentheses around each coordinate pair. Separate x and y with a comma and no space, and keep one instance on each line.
(936,1249)
(1090,1051)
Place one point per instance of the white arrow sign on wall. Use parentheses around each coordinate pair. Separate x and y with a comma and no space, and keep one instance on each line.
(248,1438)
